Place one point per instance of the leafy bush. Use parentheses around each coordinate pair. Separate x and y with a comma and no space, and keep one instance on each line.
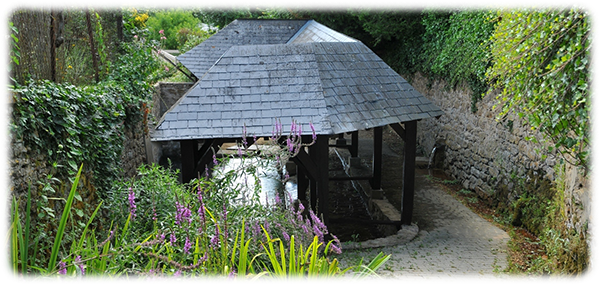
(176,26)
(541,62)
(71,124)
(222,17)
(454,48)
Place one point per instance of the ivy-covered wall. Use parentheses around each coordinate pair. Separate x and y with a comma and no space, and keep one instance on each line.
(519,178)
(29,166)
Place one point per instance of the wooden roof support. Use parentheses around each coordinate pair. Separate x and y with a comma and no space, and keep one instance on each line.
(354,146)
(189,158)
(321,151)
(377,158)
(408,186)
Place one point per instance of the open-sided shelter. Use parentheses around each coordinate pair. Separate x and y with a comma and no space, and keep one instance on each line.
(257,72)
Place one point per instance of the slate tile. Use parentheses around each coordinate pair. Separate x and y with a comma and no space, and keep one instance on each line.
(179,124)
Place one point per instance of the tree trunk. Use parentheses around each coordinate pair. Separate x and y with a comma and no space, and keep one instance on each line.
(92,46)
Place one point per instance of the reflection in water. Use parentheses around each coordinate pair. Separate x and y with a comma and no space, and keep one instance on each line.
(268,175)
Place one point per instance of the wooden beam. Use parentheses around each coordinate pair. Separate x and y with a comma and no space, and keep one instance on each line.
(408,186)
(206,157)
(351,178)
(399,130)
(377,157)
(307,163)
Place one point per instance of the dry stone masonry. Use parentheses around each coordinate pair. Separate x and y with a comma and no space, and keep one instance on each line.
(485,153)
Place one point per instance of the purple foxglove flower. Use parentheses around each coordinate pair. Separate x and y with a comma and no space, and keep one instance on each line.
(244,142)
(293,128)
(132,206)
(153,213)
(286,237)
(314,134)
(173,239)
(81,266)
(335,249)
(277,199)
(214,241)
(224,221)
(290,145)
(318,233)
(62,268)
(230,277)
(187,246)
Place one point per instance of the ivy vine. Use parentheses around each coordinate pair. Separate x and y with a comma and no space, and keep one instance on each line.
(541,62)
(73,124)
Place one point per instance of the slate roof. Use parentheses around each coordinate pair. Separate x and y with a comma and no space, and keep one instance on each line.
(239,32)
(338,86)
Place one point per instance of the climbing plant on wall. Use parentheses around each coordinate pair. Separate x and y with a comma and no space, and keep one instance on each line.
(541,62)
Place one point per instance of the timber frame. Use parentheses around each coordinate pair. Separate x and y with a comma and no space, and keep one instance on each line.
(312,164)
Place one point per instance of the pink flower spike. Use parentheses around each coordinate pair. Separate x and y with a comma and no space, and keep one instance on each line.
(161,32)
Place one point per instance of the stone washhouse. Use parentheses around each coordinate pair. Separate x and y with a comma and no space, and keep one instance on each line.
(257,72)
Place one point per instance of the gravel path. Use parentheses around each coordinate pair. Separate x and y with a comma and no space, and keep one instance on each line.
(451,240)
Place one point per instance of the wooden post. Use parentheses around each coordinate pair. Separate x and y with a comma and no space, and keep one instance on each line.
(302,182)
(322,149)
(377,157)
(354,146)
(408,186)
(188,159)
(312,153)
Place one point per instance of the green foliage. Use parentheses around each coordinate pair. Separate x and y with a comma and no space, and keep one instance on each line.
(200,233)
(10,53)
(70,124)
(541,61)
(299,262)
(220,13)
(406,24)
(541,208)
(454,48)
(334,14)
(176,26)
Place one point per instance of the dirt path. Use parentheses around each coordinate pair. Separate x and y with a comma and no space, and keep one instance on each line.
(452,240)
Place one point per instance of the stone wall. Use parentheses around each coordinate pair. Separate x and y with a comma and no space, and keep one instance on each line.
(485,153)
(22,165)
(165,96)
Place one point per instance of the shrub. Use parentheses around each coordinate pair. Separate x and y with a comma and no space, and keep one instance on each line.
(176,25)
